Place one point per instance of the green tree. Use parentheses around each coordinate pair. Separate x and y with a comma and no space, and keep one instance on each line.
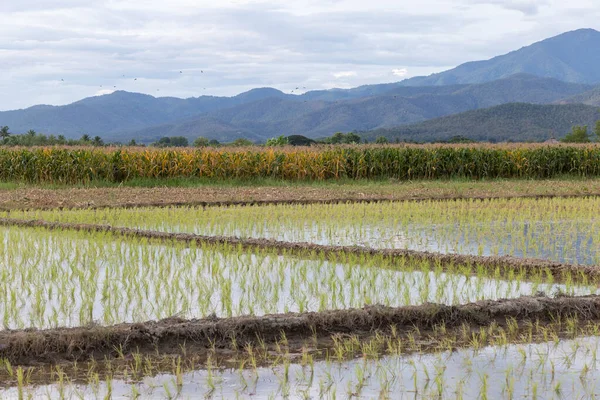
(179,141)
(597,130)
(343,138)
(85,138)
(4,132)
(278,141)
(337,138)
(201,142)
(242,142)
(172,141)
(214,143)
(31,133)
(381,140)
(132,142)
(579,134)
(98,141)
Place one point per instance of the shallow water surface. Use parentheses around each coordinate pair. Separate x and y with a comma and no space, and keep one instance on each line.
(563,370)
(564,230)
(55,279)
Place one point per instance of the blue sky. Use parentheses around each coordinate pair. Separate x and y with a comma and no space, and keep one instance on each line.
(59,51)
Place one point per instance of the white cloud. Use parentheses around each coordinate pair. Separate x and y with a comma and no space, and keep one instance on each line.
(103,92)
(240,44)
(344,74)
(401,72)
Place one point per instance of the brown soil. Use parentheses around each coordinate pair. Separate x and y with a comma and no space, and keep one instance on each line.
(503,264)
(39,198)
(39,347)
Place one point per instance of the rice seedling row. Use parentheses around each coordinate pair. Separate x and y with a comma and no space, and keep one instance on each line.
(70,278)
(567,369)
(565,230)
(247,353)
(273,308)
(498,267)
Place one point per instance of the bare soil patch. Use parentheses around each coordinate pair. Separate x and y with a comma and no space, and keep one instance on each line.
(41,198)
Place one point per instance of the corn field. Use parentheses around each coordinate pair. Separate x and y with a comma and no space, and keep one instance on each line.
(81,165)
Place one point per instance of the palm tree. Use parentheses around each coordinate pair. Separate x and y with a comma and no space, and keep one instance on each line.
(98,141)
(85,138)
(31,133)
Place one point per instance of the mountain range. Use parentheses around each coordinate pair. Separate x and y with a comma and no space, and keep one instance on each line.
(560,73)
(512,122)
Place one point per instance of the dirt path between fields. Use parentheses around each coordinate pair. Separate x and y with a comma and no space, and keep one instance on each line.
(249,203)
(170,336)
(44,198)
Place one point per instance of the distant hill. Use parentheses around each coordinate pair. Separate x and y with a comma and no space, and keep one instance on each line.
(591,97)
(121,112)
(508,122)
(290,115)
(570,57)
(559,70)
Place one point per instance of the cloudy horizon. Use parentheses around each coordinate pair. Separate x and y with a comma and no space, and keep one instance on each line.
(60,51)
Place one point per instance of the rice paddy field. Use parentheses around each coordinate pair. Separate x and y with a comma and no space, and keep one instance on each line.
(558,229)
(457,299)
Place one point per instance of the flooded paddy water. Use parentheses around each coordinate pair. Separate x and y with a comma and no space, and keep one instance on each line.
(552,370)
(63,278)
(558,229)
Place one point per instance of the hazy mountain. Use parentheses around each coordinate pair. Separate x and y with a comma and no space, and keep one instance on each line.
(120,112)
(284,115)
(514,121)
(570,57)
(535,74)
(591,97)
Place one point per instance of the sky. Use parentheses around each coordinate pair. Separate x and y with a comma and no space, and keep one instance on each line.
(60,51)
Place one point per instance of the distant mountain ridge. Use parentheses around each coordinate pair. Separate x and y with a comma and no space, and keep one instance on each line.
(518,122)
(263,113)
(571,57)
(559,70)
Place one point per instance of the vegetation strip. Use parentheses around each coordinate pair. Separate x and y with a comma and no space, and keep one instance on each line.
(298,202)
(31,346)
(406,162)
(529,266)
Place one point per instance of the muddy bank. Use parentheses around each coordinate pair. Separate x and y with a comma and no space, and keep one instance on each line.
(503,264)
(262,202)
(171,336)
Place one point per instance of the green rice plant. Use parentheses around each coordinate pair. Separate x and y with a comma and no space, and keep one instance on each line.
(55,278)
(559,229)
